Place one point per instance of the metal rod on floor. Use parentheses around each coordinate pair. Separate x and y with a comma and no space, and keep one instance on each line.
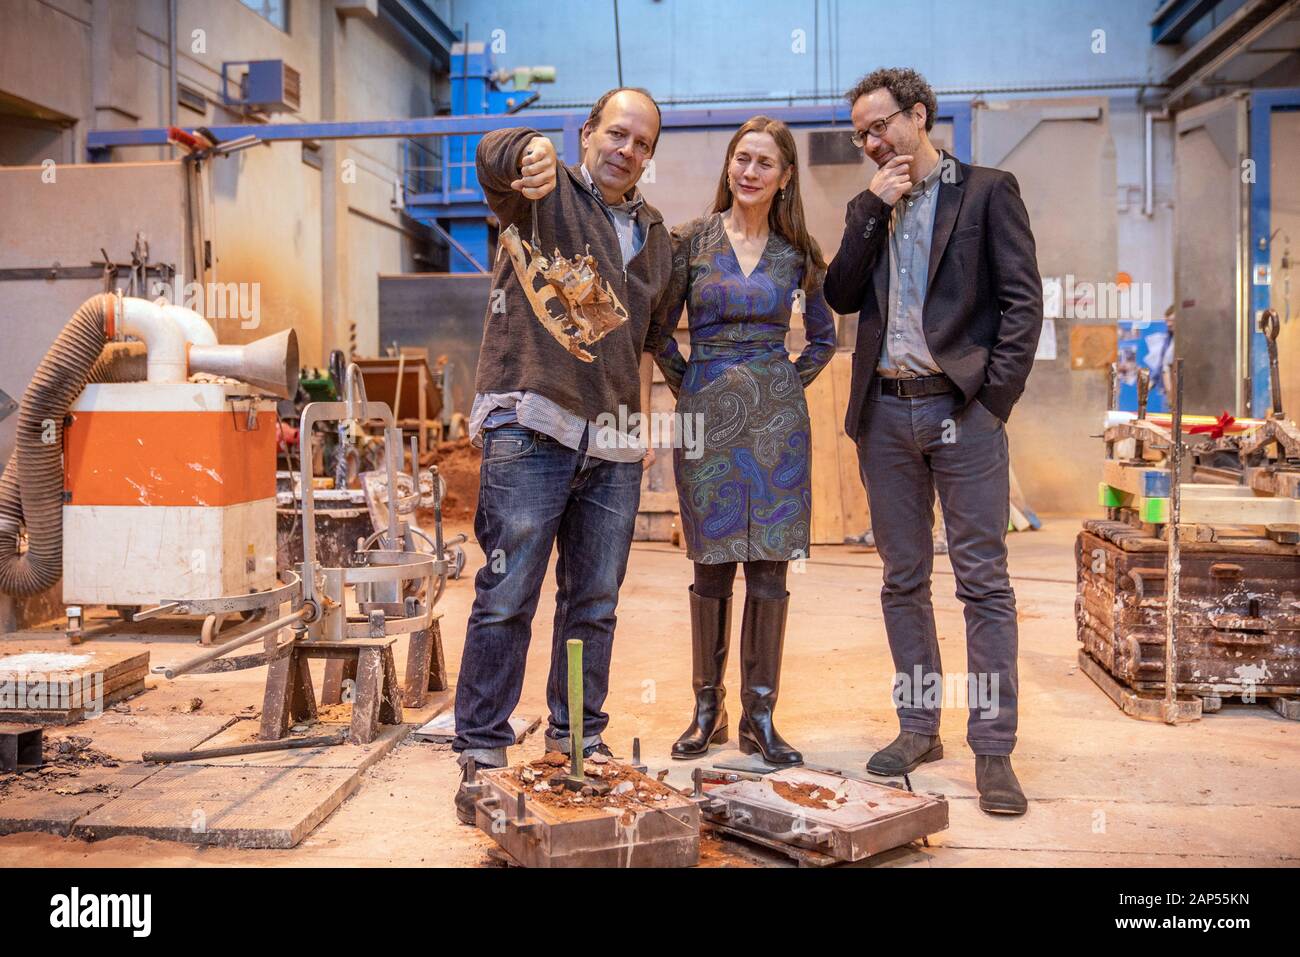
(577,715)
(219,650)
(256,747)
(1173,572)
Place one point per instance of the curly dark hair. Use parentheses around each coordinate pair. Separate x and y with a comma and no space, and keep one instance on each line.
(907,87)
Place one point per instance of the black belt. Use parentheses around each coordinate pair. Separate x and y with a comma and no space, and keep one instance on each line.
(915,387)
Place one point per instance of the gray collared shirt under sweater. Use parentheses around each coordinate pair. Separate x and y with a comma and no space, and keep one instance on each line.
(534,411)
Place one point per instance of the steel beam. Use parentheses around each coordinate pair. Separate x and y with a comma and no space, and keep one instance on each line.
(568,123)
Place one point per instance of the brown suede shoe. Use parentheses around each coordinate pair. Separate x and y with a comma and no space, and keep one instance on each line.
(999,790)
(905,753)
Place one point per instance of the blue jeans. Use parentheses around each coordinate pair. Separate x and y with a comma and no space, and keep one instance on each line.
(535,494)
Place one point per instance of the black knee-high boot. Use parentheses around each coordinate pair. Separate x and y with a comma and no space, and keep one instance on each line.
(762,637)
(710,636)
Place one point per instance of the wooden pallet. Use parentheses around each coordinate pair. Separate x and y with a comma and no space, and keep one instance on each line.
(1150,706)
(1145,488)
(66,685)
(272,807)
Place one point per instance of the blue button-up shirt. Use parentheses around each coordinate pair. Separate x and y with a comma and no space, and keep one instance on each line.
(904,352)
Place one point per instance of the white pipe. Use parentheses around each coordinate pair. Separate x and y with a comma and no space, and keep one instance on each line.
(1149,160)
(193,326)
(1149,166)
(162,337)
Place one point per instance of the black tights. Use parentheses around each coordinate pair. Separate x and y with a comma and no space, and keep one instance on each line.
(762,579)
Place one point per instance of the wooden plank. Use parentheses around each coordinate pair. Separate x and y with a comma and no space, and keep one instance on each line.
(81,699)
(437,663)
(1235,510)
(125,686)
(62,669)
(659,502)
(441,728)
(366,703)
(1200,490)
(390,698)
(224,806)
(827,504)
(419,663)
(45,809)
(1142,707)
(1142,481)
(276,696)
(853,494)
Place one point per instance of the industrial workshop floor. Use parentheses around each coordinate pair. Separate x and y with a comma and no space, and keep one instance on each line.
(1104,790)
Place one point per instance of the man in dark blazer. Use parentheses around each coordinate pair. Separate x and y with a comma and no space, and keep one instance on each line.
(938,261)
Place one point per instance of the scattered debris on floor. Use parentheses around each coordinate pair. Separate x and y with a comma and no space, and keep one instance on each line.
(543,781)
(62,759)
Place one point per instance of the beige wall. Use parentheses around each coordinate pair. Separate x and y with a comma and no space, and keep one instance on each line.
(315,240)
(687,166)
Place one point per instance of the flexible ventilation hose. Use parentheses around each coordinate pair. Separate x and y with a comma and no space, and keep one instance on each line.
(31,489)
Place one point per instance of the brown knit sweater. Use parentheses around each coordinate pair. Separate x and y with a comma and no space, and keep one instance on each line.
(518,353)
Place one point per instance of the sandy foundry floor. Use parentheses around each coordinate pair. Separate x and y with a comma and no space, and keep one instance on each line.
(1104,790)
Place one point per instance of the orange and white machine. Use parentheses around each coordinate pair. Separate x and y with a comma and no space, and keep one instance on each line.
(169,483)
(169,491)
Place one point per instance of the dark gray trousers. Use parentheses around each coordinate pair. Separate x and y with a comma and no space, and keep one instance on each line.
(908,449)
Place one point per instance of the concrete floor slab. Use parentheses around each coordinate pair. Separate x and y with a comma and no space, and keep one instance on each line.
(59,801)
(1222,791)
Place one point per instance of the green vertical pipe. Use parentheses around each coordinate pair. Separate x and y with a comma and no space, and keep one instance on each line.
(576,712)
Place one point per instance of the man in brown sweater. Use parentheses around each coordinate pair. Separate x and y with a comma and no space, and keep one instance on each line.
(555,474)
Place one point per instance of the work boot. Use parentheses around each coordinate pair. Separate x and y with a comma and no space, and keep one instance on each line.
(465,800)
(999,790)
(762,637)
(710,636)
(905,753)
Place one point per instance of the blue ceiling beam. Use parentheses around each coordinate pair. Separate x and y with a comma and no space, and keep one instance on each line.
(1176,17)
(424,25)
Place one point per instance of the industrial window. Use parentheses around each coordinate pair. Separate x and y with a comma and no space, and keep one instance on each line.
(275,11)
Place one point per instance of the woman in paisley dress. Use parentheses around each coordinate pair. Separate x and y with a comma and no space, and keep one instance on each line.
(740,272)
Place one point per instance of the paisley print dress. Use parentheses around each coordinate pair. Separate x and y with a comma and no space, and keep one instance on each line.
(743,483)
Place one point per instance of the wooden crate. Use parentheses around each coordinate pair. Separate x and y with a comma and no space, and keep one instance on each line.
(1238,617)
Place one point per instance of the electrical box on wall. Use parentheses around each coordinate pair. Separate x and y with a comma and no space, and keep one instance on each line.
(268,86)
(832,148)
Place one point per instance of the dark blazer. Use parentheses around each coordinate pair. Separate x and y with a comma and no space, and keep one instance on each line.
(984,299)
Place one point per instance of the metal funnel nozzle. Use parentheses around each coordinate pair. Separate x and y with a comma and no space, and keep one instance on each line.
(270,363)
